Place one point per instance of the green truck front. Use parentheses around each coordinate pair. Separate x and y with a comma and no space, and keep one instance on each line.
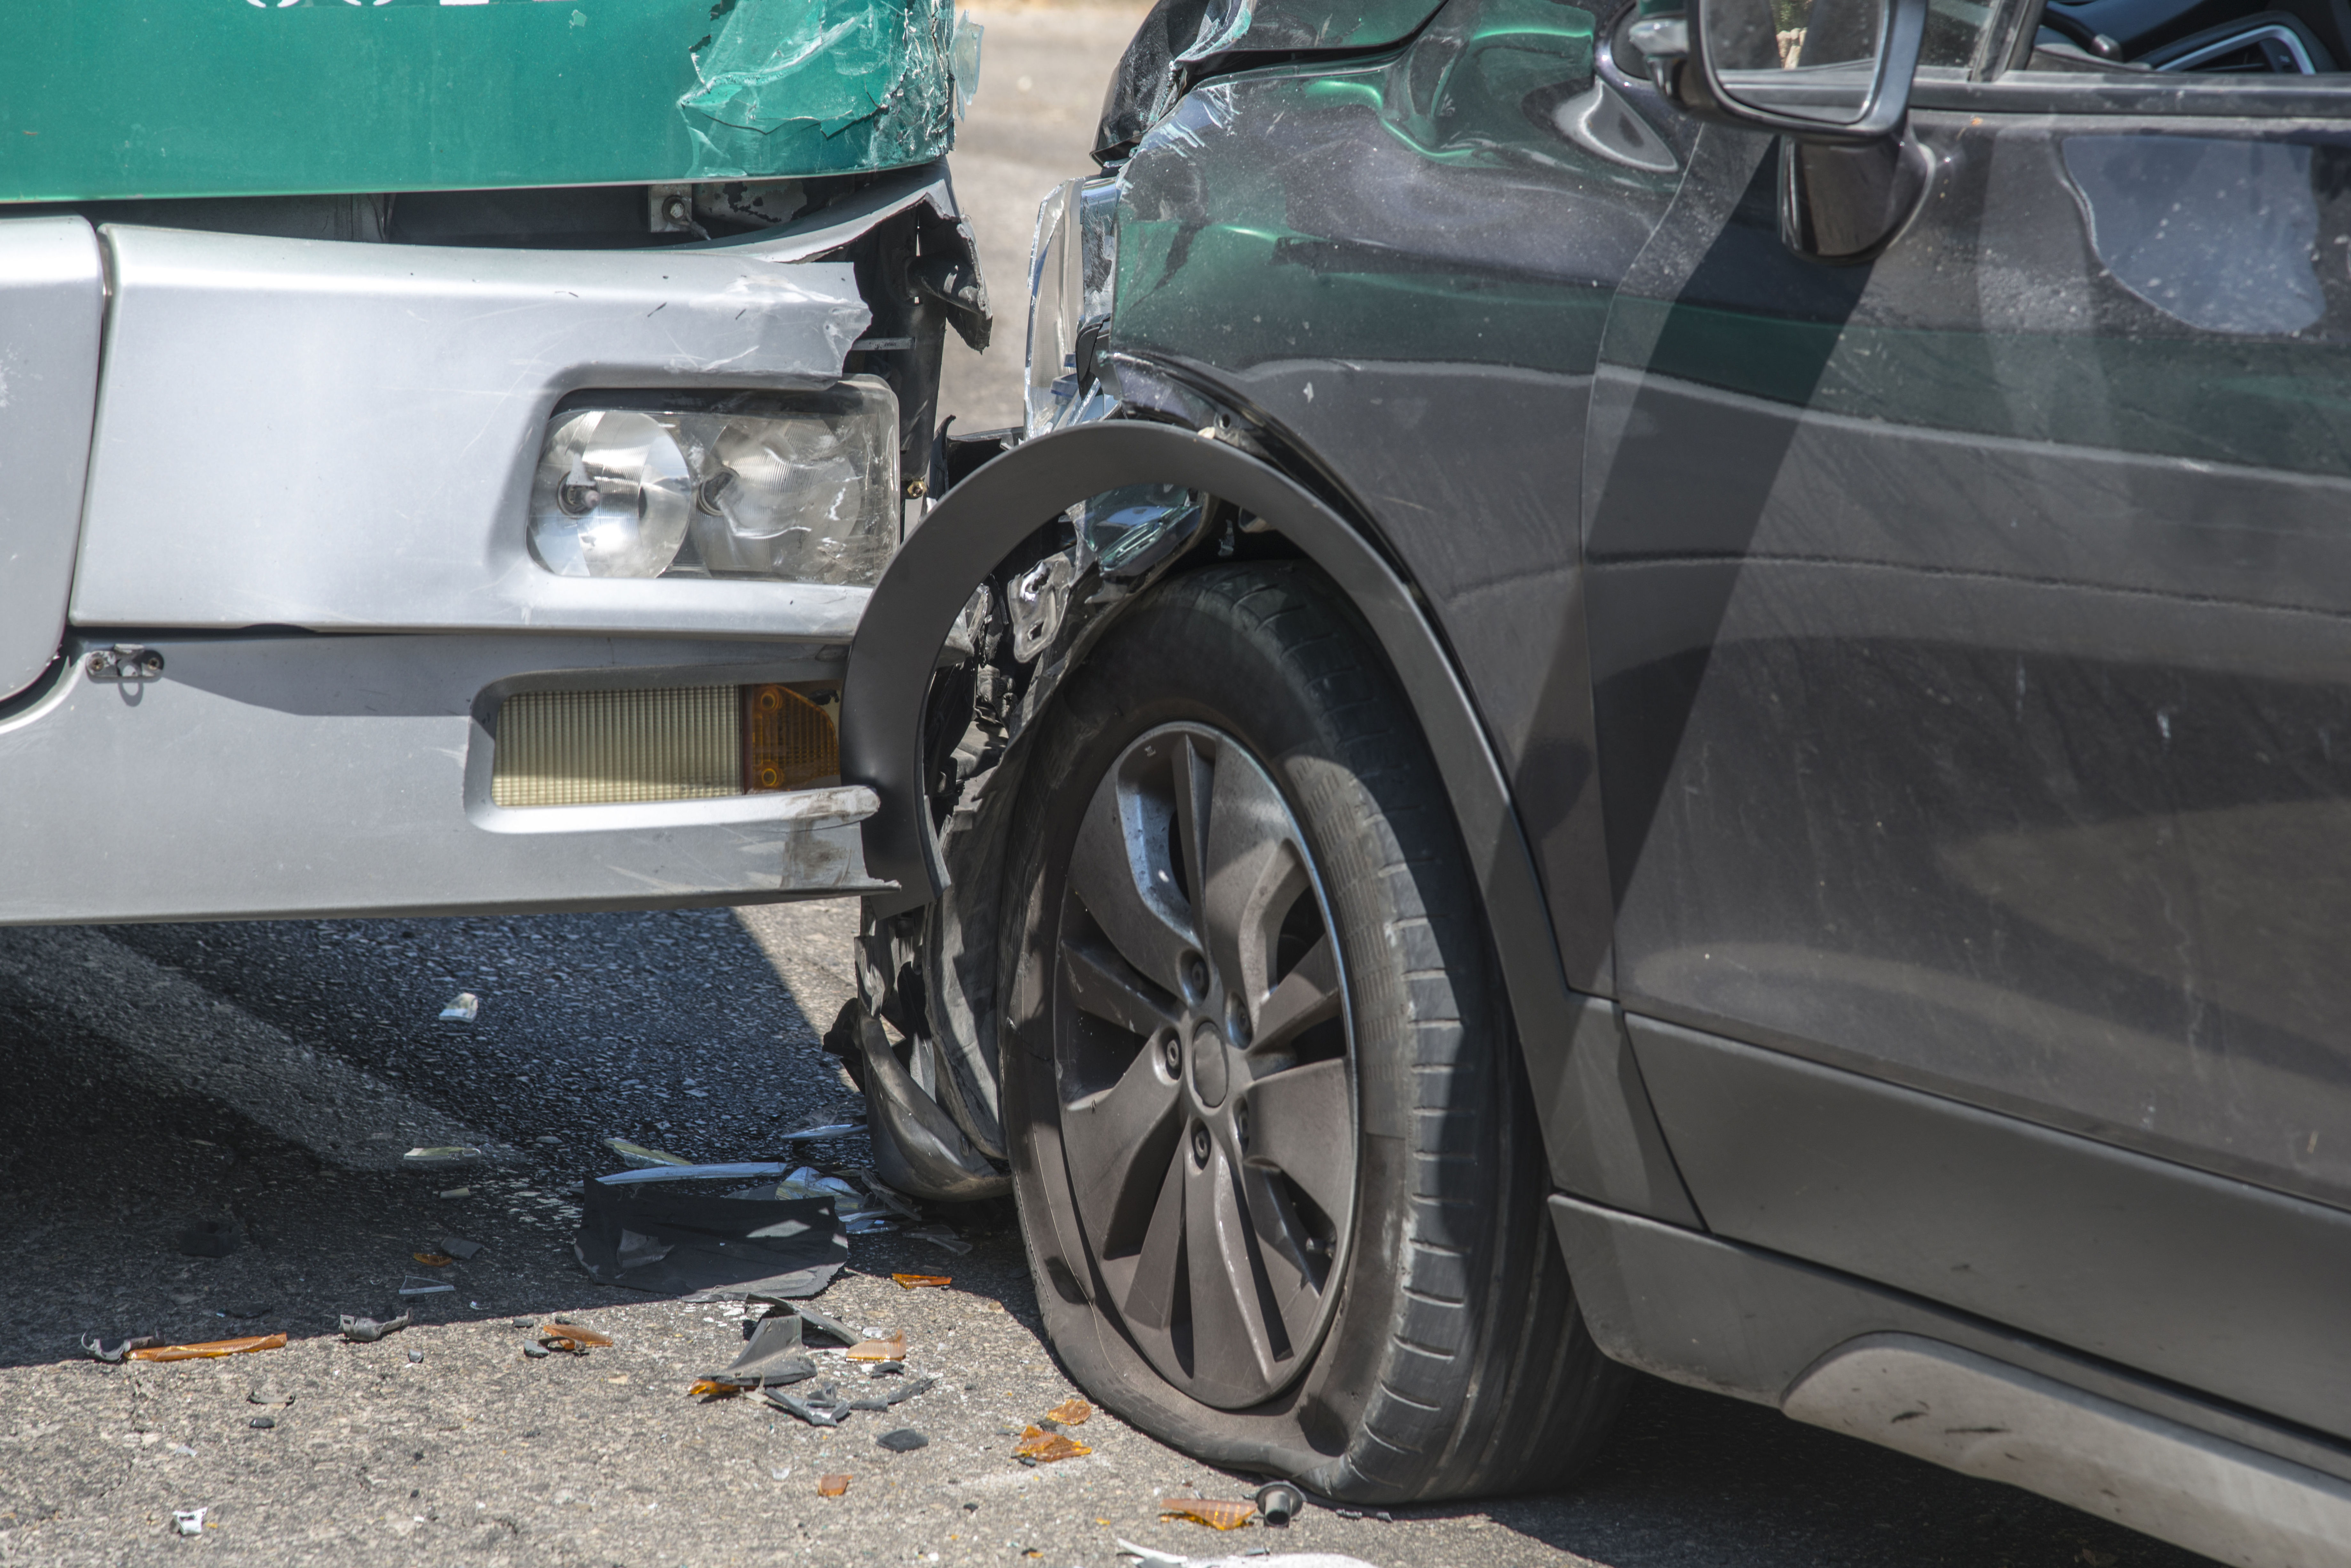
(450,445)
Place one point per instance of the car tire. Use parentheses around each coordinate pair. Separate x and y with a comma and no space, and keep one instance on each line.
(1279,1181)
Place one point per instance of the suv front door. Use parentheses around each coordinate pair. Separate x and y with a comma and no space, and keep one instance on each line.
(1972,663)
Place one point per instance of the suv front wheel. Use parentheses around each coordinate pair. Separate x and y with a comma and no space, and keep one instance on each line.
(1281,1185)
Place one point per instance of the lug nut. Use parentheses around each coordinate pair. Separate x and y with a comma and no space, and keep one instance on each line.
(1199,1145)
(1196,974)
(1240,1122)
(1171,1051)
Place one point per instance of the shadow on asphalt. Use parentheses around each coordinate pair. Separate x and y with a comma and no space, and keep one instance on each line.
(104,1162)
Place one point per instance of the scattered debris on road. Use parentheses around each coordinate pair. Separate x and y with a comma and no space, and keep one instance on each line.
(831,1486)
(441,1156)
(942,1235)
(903,1440)
(459,1248)
(99,1351)
(773,1355)
(890,1349)
(1046,1448)
(1280,1502)
(366,1330)
(211,1350)
(922,1282)
(434,1259)
(418,1285)
(572,1337)
(189,1521)
(1217,1513)
(664,1230)
(636,1156)
(462,1007)
(1071,1412)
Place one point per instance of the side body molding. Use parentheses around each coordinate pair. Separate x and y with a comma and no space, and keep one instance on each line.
(987,515)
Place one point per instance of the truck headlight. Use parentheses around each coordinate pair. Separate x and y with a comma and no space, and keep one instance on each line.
(613,498)
(789,486)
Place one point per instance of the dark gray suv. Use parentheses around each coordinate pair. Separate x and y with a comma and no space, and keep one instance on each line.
(1660,689)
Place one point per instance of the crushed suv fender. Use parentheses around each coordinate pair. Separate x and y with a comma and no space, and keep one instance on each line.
(987,515)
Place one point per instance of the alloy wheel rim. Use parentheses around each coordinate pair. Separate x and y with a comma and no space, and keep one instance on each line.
(1204,1066)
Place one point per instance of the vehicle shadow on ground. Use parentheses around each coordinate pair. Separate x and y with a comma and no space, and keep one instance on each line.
(105,1163)
(1691,1478)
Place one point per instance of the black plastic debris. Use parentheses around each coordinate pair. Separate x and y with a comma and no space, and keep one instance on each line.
(537,1351)
(904,1440)
(367,1330)
(824,1405)
(772,1355)
(459,1248)
(262,1423)
(833,1328)
(820,1407)
(898,1394)
(208,1239)
(674,1236)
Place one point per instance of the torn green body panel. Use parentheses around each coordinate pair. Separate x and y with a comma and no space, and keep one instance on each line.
(111,99)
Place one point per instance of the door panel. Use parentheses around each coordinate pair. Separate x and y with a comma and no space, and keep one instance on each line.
(1969,633)
(52,298)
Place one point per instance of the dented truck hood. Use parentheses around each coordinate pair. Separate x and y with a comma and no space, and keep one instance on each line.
(209,98)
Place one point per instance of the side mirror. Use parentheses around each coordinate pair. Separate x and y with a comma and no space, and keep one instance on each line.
(1824,71)
(1833,78)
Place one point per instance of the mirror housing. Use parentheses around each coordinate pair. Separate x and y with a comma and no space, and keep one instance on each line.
(1694,74)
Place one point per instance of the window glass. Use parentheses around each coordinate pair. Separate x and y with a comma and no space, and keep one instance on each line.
(1960,36)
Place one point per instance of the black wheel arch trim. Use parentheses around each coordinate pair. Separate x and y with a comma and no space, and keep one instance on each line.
(1002,503)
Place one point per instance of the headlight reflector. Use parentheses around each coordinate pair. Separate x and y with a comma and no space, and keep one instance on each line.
(612,498)
(796,488)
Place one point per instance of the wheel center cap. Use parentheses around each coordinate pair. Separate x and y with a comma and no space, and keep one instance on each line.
(1211,1073)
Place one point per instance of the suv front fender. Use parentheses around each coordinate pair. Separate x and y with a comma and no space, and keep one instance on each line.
(988,514)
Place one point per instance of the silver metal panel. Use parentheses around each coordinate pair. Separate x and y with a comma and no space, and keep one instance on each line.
(293,774)
(1976,1416)
(52,301)
(305,432)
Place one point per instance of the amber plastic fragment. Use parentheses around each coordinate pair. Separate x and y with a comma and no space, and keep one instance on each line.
(570,1337)
(1044,1446)
(717,1389)
(831,1486)
(434,1259)
(920,1281)
(1071,1412)
(211,1348)
(890,1349)
(1218,1513)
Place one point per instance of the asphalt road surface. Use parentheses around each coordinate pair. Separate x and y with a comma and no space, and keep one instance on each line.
(266,1079)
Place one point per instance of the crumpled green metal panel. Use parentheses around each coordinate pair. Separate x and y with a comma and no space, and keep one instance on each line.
(184,97)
